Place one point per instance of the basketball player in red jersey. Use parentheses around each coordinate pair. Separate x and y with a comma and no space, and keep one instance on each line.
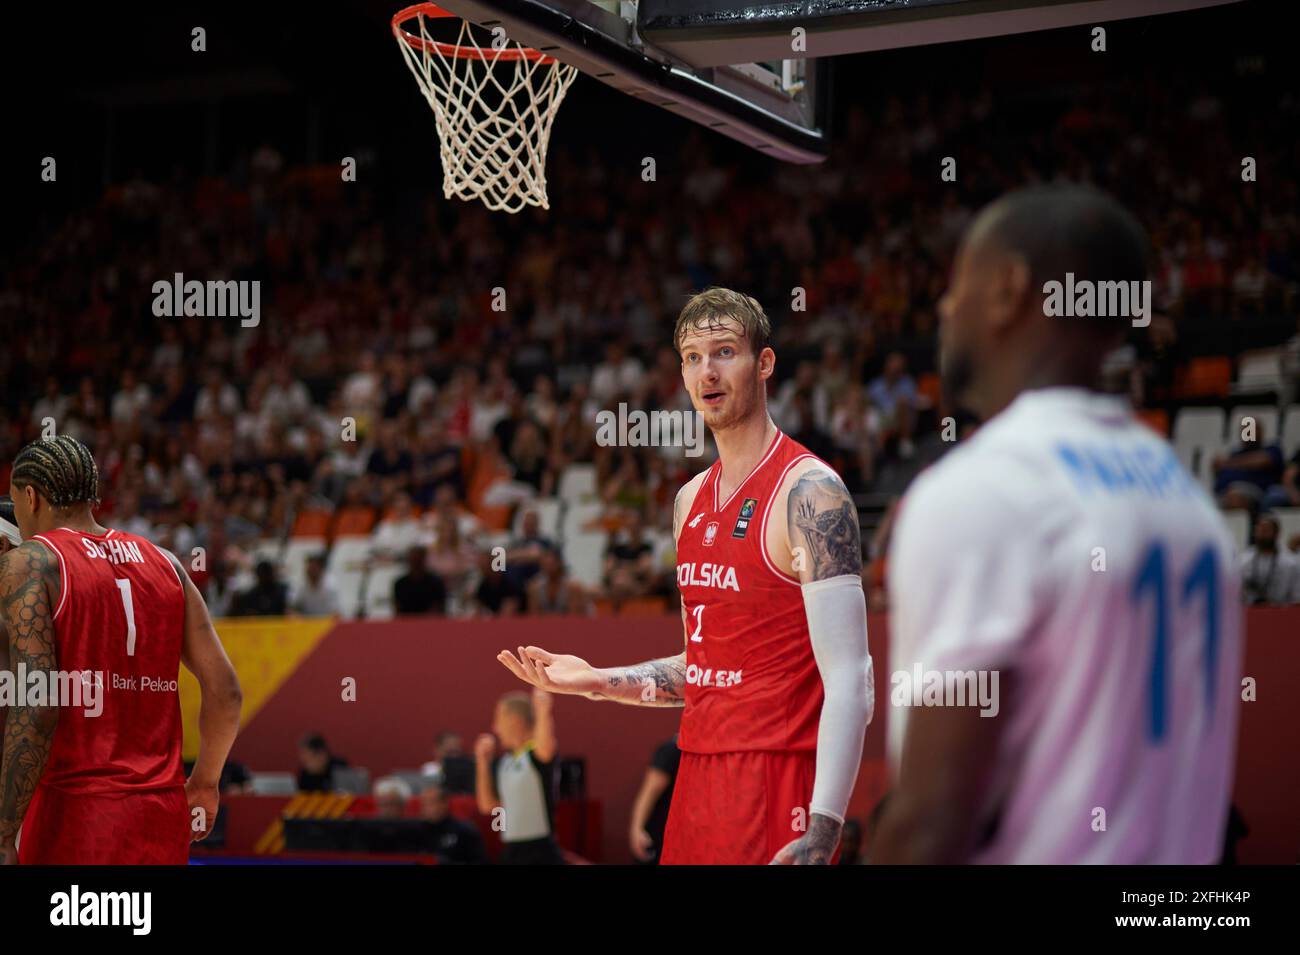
(112,608)
(776,679)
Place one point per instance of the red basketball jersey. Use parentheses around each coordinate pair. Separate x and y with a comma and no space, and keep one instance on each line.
(751,680)
(121,616)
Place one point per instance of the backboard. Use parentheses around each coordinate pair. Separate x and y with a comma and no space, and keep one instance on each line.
(718,31)
(758,70)
(777,106)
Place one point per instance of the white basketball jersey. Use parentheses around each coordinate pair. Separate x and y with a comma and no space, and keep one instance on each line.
(1065,542)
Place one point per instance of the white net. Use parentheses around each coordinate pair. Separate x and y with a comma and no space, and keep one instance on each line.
(493,106)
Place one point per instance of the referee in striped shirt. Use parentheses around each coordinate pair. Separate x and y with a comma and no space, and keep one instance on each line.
(520,781)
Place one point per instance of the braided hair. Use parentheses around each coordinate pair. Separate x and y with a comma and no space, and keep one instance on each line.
(62,469)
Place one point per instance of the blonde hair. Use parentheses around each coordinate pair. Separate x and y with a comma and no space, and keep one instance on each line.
(710,308)
(519,703)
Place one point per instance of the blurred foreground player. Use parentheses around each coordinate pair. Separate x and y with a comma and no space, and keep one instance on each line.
(108,607)
(776,677)
(1064,549)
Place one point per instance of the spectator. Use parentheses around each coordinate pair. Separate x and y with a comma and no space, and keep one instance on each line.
(317,595)
(287,399)
(216,399)
(454,841)
(50,405)
(832,380)
(617,375)
(127,516)
(363,389)
(217,590)
(808,432)
(391,793)
(450,765)
(316,764)
(390,461)
(629,563)
(524,555)
(235,779)
(894,394)
(1243,477)
(529,459)
(437,465)
(447,506)
(855,427)
(453,559)
(551,590)
(796,407)
(625,488)
(497,593)
(1269,575)
(1286,493)
(1250,283)
(418,591)
(400,529)
(541,403)
(131,401)
(266,598)
(343,466)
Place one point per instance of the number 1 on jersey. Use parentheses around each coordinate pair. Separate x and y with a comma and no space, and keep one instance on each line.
(124,586)
(1203,575)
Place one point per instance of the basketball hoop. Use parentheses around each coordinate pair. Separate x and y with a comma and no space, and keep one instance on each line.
(493,108)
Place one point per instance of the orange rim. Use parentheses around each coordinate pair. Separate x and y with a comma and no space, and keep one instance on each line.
(435,12)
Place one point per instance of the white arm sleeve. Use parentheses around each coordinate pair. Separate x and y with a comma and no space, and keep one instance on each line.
(837,624)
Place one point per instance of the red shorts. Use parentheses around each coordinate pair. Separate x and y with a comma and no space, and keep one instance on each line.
(737,808)
(132,828)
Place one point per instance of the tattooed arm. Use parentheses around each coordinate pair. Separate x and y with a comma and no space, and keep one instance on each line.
(823,527)
(29,588)
(659,682)
(655,683)
(826,553)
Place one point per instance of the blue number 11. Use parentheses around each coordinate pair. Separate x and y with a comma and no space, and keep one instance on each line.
(1203,575)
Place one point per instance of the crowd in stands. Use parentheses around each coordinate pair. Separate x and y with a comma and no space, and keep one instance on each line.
(424,372)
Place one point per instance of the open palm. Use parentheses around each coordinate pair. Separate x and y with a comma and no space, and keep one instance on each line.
(554,672)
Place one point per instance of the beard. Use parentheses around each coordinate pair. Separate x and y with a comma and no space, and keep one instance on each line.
(737,411)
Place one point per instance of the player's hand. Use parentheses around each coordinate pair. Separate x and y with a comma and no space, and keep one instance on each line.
(8,854)
(485,747)
(642,845)
(203,799)
(555,673)
(814,847)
